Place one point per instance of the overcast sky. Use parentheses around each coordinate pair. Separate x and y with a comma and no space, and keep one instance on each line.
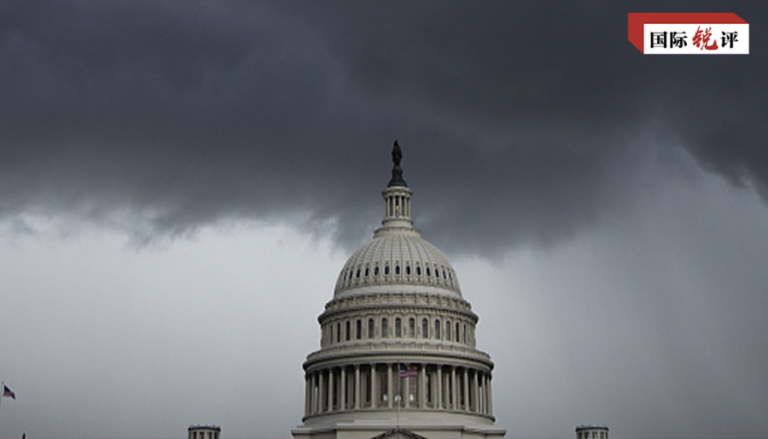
(181,182)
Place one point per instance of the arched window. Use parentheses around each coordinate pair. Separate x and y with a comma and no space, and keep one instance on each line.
(456,333)
(418,271)
(448,331)
(348,328)
(425,328)
(338,332)
(386,270)
(366,271)
(384,327)
(398,327)
(408,270)
(376,270)
(466,338)
(397,270)
(412,327)
(357,274)
(370,328)
(437,329)
(428,272)
(359,329)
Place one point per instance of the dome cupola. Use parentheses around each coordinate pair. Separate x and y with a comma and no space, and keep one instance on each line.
(397,256)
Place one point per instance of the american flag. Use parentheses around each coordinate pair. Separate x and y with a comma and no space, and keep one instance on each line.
(7,392)
(407,372)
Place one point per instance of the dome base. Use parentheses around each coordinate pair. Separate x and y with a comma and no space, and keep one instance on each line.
(432,425)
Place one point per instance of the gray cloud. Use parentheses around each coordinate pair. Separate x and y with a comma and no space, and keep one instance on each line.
(188,114)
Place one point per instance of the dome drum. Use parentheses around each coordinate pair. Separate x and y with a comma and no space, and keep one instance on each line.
(379,385)
(398,326)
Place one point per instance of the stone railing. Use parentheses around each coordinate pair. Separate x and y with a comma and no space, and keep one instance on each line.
(383,348)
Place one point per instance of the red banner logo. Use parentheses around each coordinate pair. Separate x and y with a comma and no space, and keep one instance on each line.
(689,34)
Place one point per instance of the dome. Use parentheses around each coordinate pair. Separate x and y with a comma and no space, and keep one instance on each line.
(398,337)
(397,257)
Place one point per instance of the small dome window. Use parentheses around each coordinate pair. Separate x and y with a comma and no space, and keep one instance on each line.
(444,276)
(437,273)
(428,273)
(358,274)
(418,271)
(408,270)
(376,270)
(386,270)
(397,269)
(366,271)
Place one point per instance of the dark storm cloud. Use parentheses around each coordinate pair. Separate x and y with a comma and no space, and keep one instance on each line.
(517,120)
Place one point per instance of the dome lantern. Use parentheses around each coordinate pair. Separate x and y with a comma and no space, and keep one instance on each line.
(397,196)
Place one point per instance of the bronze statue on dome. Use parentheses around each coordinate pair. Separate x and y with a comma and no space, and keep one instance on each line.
(397,171)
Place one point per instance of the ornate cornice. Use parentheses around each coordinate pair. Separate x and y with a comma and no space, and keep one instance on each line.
(408,349)
(401,300)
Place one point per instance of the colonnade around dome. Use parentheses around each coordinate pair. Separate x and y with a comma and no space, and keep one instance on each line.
(379,386)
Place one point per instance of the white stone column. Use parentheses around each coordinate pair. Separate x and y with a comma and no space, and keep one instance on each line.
(454,389)
(407,393)
(439,387)
(357,386)
(343,389)
(320,391)
(446,391)
(480,393)
(330,390)
(311,402)
(466,389)
(390,396)
(374,387)
(423,386)
(490,396)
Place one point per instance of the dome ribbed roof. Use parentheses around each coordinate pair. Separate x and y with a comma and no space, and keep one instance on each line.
(397,257)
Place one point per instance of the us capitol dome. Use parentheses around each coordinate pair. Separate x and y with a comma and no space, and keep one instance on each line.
(397,353)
